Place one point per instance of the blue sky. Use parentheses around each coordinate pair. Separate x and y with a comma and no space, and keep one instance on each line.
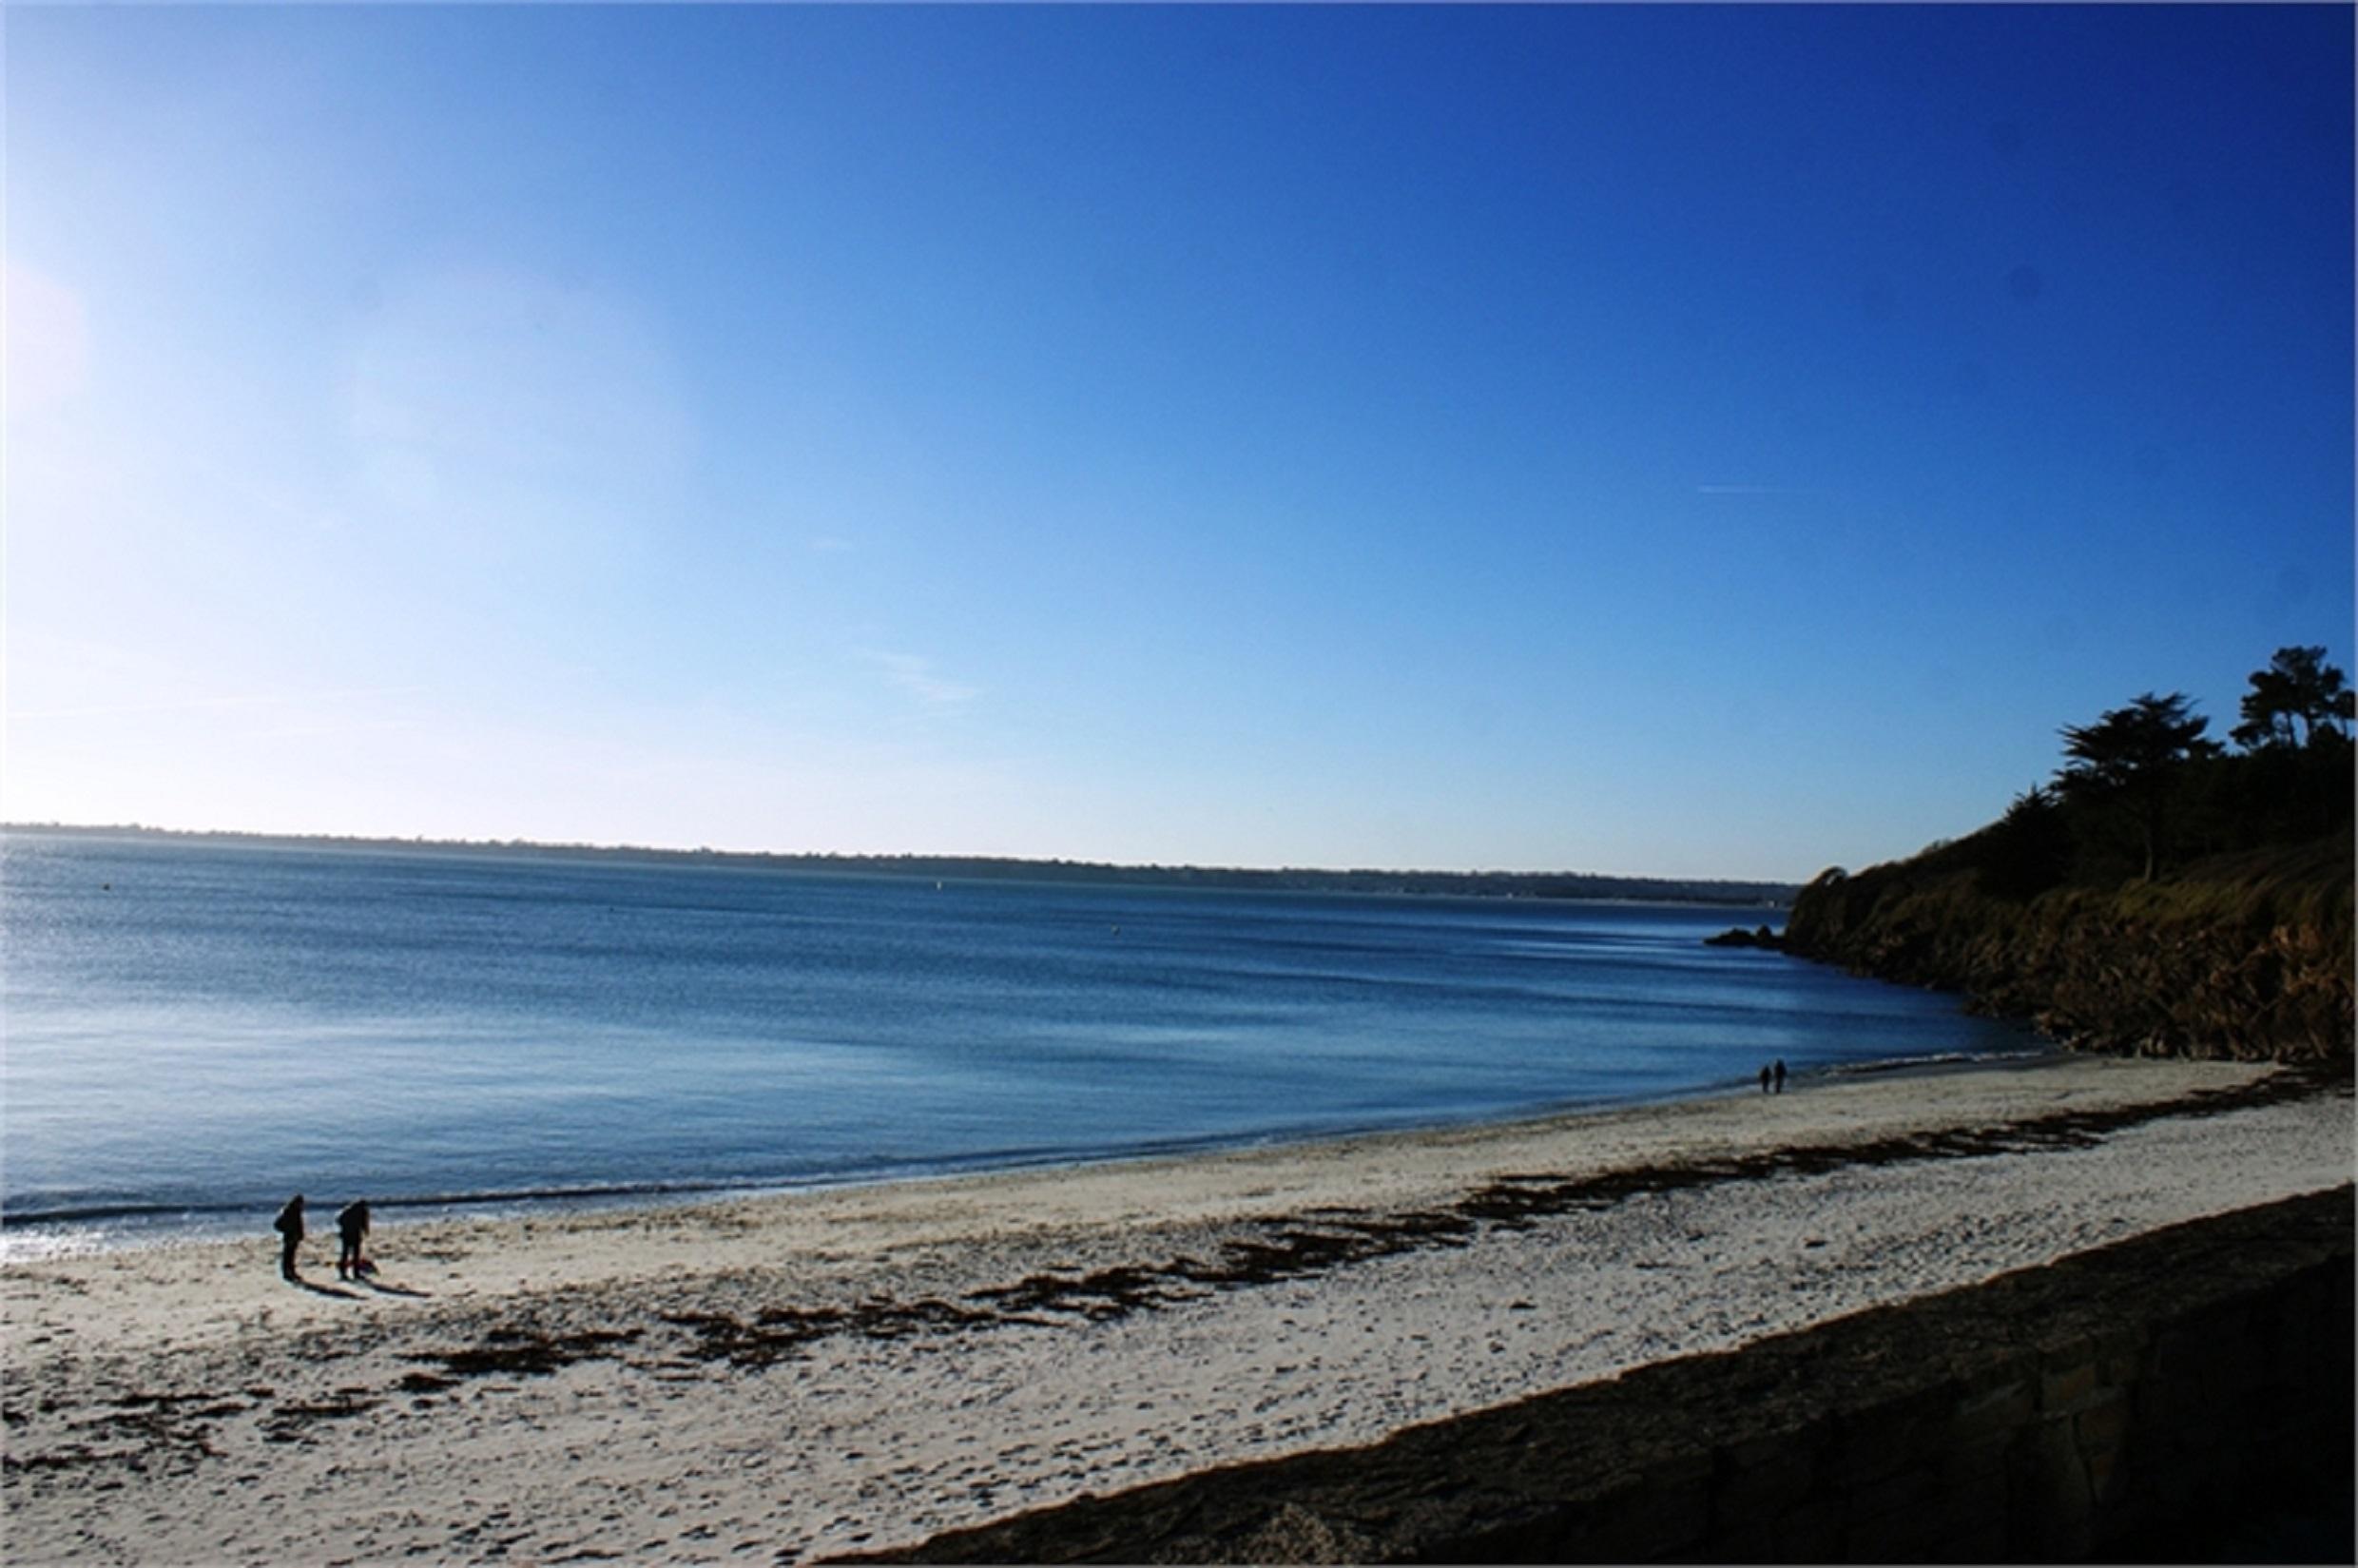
(1655,440)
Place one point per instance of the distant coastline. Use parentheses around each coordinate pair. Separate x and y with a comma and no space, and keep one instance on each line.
(1493,885)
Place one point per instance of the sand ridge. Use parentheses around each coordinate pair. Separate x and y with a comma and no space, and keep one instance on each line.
(784,1377)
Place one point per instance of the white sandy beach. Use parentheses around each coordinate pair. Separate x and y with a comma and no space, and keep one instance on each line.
(783,1377)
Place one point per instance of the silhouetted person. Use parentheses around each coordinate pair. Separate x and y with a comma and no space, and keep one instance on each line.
(1763,1080)
(290,1227)
(352,1223)
(1779,1071)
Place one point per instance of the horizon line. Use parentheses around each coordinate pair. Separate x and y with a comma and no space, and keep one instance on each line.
(709,852)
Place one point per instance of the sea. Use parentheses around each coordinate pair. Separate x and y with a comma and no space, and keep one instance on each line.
(195,1029)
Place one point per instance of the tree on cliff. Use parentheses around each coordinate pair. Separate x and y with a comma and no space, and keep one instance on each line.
(2029,849)
(2297,686)
(2129,758)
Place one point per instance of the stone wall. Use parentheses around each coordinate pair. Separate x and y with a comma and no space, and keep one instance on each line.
(2143,1402)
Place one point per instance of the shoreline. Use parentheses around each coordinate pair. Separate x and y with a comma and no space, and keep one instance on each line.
(84,1234)
(857,1368)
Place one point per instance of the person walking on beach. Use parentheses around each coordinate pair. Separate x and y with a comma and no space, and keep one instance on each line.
(352,1223)
(1763,1080)
(1779,1070)
(290,1227)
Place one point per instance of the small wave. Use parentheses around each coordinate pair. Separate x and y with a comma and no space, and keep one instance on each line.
(22,1217)
(581,1192)
(112,1222)
(93,1213)
(1939,1058)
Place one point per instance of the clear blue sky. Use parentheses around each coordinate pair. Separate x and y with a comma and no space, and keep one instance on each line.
(1653,441)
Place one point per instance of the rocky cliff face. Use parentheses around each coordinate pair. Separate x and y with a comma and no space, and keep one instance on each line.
(2247,956)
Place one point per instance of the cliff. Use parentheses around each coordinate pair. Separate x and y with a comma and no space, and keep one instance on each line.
(2244,956)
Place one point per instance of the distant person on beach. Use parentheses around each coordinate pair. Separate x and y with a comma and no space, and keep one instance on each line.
(1765,1073)
(290,1227)
(1779,1071)
(352,1223)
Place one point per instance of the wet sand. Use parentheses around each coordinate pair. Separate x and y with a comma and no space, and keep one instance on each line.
(786,1377)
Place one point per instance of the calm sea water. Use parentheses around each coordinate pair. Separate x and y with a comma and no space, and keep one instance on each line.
(194,1031)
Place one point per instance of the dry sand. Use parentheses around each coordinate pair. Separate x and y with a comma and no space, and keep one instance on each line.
(782,1378)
